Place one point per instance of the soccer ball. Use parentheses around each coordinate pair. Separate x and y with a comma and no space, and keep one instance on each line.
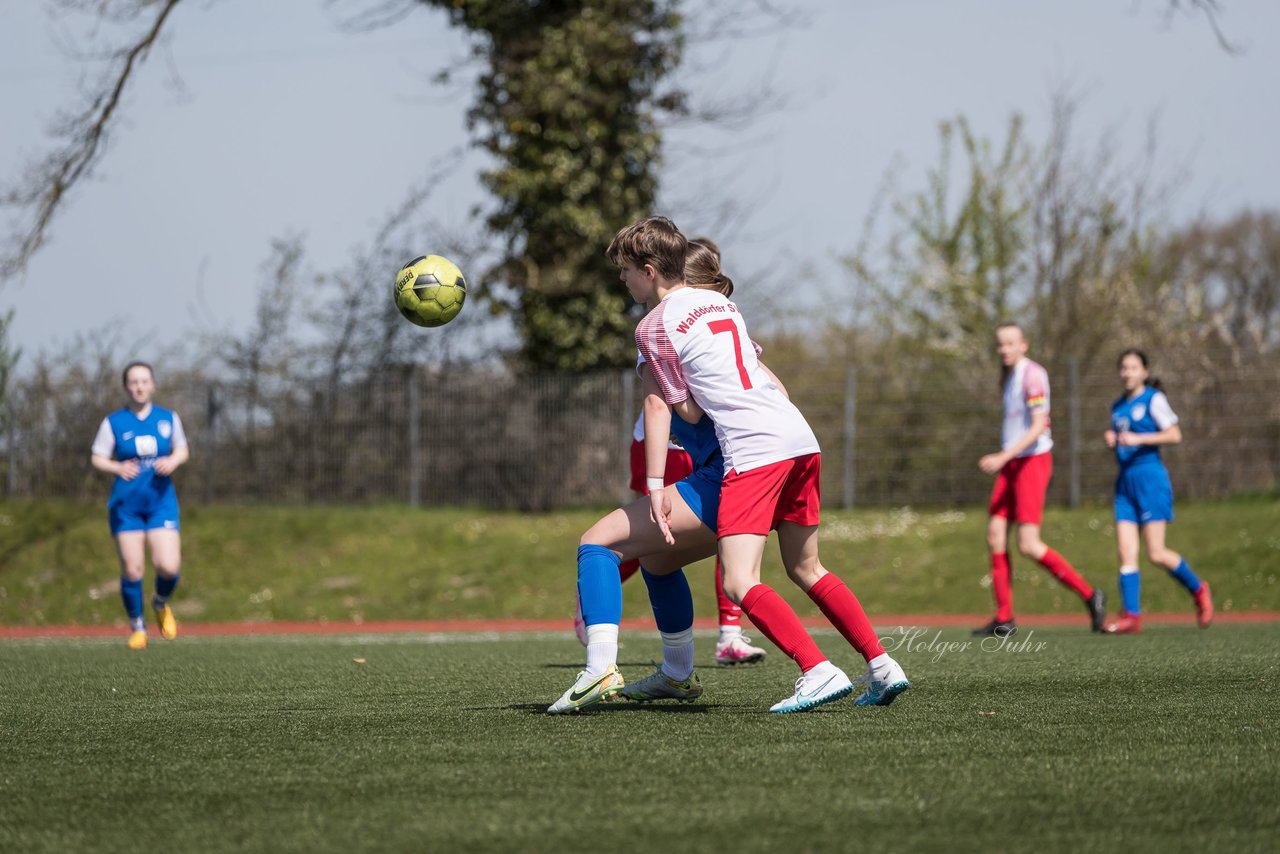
(430,290)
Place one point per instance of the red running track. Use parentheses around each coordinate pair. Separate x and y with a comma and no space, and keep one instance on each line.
(566,626)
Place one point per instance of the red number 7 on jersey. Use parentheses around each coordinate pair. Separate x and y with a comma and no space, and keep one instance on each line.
(718,326)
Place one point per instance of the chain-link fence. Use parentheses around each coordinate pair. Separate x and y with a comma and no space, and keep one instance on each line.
(497,440)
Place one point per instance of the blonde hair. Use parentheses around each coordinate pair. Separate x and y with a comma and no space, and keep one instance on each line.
(702,268)
(655,241)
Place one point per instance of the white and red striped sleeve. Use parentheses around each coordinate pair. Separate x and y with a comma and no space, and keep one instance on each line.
(656,349)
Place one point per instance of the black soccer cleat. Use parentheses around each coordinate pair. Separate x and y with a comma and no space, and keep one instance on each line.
(998,629)
(1097,605)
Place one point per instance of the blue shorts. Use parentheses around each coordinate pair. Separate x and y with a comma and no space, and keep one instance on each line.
(1144,494)
(701,491)
(160,513)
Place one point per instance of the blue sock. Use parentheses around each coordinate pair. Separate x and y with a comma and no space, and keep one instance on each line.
(1186,577)
(671,600)
(131,593)
(1130,590)
(164,589)
(599,585)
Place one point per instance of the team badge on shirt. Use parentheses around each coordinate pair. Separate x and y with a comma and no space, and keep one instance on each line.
(165,429)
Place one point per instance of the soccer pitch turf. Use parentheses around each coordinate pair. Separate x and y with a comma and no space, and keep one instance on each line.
(1062,741)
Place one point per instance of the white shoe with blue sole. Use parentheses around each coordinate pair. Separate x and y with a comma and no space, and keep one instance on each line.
(883,685)
(822,684)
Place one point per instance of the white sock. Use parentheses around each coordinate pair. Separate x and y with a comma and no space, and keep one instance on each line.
(880,661)
(677,654)
(139,624)
(728,633)
(602,647)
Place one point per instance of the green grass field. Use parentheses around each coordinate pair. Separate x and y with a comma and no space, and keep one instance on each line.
(1074,742)
(57,562)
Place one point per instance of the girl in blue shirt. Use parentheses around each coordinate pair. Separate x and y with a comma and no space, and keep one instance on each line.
(141,445)
(1142,421)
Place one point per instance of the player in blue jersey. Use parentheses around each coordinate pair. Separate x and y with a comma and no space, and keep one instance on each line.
(631,533)
(1142,421)
(142,445)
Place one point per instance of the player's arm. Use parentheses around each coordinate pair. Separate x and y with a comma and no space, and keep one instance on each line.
(124,469)
(657,435)
(1170,435)
(168,465)
(992,463)
(774,379)
(102,454)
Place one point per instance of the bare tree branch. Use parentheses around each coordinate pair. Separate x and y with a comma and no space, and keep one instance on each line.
(1211,9)
(43,192)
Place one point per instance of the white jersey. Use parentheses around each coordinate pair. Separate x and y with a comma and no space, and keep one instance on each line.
(696,344)
(1026,390)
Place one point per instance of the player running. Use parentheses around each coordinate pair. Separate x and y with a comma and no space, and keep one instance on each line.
(696,344)
(1142,421)
(1022,468)
(629,534)
(142,444)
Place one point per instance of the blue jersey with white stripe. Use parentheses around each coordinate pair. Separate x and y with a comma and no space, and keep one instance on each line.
(1147,412)
(144,440)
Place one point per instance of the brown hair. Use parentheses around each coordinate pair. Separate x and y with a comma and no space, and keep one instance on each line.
(124,377)
(709,243)
(1152,382)
(702,268)
(655,241)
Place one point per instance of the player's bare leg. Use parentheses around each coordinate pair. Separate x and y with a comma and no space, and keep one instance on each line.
(1002,624)
(1130,620)
(1095,600)
(1153,533)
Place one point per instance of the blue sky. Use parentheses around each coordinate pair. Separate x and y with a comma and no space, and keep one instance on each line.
(283,123)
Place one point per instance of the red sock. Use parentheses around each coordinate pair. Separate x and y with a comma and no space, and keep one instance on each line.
(1002,584)
(1066,573)
(730,614)
(843,609)
(771,614)
(628,569)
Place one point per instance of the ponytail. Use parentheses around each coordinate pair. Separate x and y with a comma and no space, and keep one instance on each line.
(702,269)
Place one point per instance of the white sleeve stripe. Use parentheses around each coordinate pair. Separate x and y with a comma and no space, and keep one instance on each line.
(1161,412)
(104,444)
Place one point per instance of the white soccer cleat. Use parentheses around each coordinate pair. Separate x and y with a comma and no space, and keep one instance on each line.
(738,650)
(821,684)
(884,683)
(660,686)
(587,690)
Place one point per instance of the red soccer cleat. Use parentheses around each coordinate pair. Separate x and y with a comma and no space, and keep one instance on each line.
(1125,624)
(1204,605)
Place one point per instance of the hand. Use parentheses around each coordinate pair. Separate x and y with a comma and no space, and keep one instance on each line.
(992,463)
(660,512)
(165,466)
(1129,440)
(1110,438)
(128,469)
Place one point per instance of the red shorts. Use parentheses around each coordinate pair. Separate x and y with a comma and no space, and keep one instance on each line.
(754,502)
(1018,494)
(679,466)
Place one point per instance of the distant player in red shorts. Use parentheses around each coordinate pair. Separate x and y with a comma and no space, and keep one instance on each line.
(1022,468)
(697,347)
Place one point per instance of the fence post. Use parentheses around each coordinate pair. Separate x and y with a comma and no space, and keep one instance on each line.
(628,421)
(1073,408)
(212,407)
(11,476)
(850,435)
(415,452)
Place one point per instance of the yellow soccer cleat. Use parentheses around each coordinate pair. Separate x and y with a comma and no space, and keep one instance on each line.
(138,640)
(168,624)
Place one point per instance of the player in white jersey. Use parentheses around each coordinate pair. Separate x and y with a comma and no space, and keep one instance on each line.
(696,344)
(1022,468)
